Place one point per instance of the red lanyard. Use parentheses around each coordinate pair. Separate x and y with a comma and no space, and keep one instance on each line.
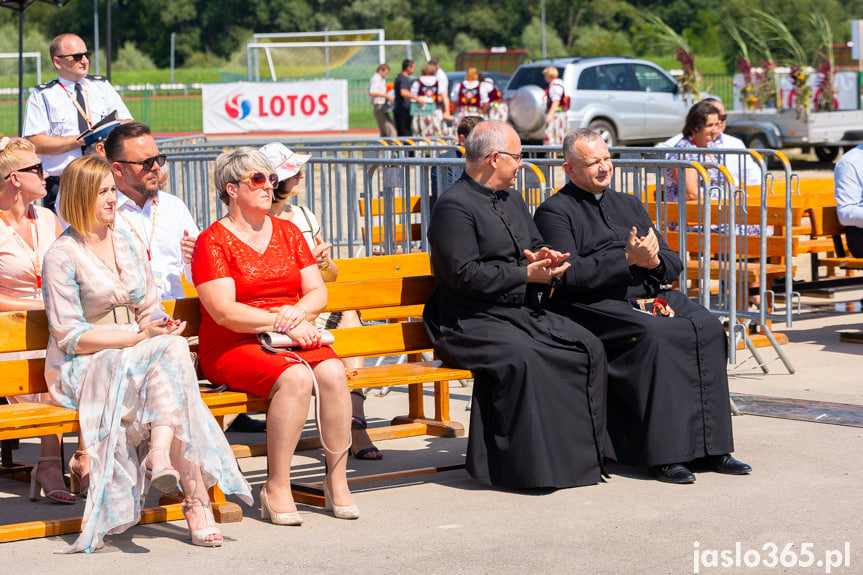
(152,229)
(32,253)
(84,113)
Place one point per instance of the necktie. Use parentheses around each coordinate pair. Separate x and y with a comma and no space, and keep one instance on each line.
(83,126)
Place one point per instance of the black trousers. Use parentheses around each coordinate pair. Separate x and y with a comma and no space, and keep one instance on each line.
(403,124)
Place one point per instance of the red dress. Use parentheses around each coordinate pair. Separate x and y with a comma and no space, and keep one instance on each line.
(267,280)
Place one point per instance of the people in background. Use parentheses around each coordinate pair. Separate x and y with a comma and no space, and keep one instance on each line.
(466,96)
(381,101)
(403,98)
(116,357)
(556,107)
(491,100)
(427,120)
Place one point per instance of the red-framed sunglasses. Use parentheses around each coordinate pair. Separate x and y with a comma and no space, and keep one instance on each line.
(260,179)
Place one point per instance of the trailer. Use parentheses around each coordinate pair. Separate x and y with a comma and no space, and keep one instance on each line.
(825,132)
(782,125)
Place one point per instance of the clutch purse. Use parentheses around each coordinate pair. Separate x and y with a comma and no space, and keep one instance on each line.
(278,340)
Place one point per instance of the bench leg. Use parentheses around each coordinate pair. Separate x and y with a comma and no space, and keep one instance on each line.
(440,426)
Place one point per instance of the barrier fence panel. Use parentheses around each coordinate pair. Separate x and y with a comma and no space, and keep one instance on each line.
(375,198)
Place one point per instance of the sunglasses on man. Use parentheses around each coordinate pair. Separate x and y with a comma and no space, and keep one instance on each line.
(35,168)
(76,57)
(260,179)
(147,163)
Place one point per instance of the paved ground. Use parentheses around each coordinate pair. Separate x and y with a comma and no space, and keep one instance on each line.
(803,494)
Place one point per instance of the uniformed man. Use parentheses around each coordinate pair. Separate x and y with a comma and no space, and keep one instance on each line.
(59,111)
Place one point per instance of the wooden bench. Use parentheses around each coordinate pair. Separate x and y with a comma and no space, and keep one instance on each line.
(28,331)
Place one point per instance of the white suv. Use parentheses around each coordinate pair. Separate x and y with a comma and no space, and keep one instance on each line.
(626,100)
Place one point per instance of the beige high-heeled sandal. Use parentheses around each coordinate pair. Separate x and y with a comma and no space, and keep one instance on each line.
(76,479)
(286,518)
(199,536)
(340,511)
(166,478)
(55,495)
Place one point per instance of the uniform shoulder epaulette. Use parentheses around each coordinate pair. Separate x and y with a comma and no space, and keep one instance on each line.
(97,78)
(47,85)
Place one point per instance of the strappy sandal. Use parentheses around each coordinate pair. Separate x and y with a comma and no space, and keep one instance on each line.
(358,422)
(199,536)
(55,495)
(166,478)
(77,483)
(369,454)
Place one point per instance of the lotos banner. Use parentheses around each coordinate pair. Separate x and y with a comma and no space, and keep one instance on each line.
(244,107)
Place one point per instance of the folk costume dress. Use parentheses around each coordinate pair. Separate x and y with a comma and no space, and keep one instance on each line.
(263,280)
(492,101)
(667,380)
(466,100)
(538,415)
(119,392)
(717,183)
(555,128)
(428,120)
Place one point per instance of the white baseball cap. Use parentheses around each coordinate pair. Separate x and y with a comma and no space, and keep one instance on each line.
(283,161)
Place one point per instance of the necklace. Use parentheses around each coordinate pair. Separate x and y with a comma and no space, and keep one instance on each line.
(258,240)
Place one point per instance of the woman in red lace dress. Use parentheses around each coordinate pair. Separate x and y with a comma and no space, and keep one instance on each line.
(255,273)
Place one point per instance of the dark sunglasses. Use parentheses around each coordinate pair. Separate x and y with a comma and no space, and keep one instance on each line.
(35,168)
(723,117)
(259,179)
(147,163)
(76,57)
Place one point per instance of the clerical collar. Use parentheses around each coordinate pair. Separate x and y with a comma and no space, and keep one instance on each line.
(485,190)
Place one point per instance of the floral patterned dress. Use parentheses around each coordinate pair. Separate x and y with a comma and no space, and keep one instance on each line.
(717,182)
(119,392)
(555,128)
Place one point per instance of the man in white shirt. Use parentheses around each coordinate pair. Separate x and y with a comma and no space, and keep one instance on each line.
(727,141)
(160,220)
(59,111)
(379,96)
(848,190)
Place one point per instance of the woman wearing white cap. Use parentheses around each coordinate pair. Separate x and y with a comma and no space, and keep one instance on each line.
(288,167)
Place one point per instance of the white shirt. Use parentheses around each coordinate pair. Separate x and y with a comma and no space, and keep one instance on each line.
(731,161)
(377,85)
(51,110)
(442,81)
(848,177)
(171,217)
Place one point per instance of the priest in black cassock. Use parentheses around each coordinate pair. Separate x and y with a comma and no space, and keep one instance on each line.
(668,403)
(538,415)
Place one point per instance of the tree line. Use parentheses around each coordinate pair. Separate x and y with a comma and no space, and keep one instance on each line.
(208,33)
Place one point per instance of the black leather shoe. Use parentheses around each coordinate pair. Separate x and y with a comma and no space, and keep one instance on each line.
(245,424)
(673,473)
(727,464)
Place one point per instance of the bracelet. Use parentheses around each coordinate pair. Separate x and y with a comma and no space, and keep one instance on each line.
(326,266)
(305,313)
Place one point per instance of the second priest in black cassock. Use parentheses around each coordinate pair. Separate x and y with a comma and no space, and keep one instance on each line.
(668,402)
(537,419)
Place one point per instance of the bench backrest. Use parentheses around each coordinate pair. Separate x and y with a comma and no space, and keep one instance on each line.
(28,331)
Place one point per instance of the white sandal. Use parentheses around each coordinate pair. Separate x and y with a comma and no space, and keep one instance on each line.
(199,536)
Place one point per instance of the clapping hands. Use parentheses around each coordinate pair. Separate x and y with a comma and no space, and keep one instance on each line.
(545,264)
(642,251)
